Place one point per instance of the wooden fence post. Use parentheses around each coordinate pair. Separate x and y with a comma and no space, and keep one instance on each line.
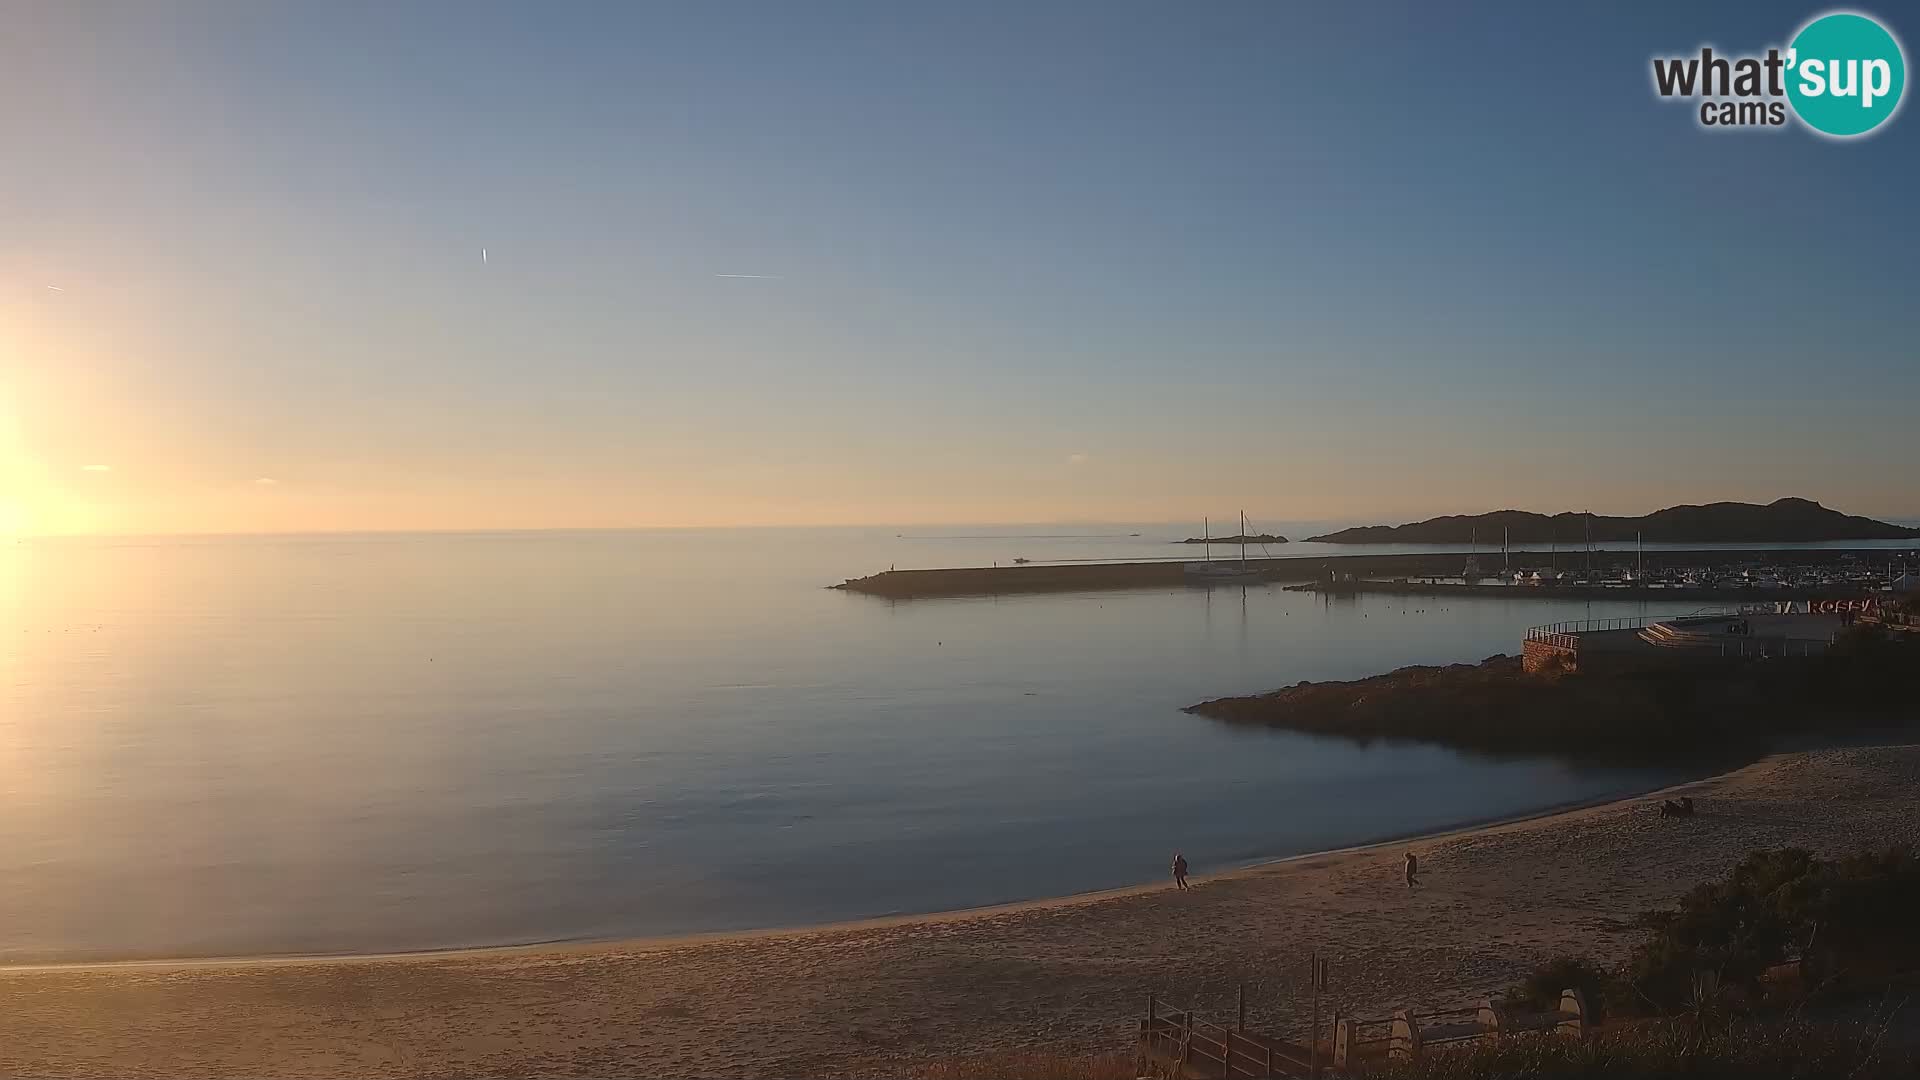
(1186,1036)
(1343,1043)
(1403,1044)
(1143,1051)
(1574,1021)
(1488,1015)
(1316,975)
(1152,1044)
(1240,996)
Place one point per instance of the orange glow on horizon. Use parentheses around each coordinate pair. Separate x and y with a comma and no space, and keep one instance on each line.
(113,422)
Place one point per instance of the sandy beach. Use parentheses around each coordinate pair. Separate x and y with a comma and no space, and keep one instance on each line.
(871,998)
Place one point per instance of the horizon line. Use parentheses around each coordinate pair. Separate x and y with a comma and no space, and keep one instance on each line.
(1910,521)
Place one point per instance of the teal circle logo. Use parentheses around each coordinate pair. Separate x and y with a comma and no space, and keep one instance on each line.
(1845,74)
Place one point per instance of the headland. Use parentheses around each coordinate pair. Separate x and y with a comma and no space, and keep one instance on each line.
(1782,521)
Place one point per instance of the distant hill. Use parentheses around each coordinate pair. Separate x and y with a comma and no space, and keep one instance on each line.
(1780,522)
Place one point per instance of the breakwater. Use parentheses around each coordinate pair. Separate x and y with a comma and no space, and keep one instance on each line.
(1067,577)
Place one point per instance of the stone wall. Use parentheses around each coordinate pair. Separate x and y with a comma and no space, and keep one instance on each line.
(1539,656)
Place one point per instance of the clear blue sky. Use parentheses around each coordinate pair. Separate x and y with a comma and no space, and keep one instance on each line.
(1018,262)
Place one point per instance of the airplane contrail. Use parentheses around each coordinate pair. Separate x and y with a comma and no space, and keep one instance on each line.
(755,277)
(56,288)
(483,255)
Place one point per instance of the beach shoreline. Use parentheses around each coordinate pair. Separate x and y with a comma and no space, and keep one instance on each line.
(876,996)
(657,942)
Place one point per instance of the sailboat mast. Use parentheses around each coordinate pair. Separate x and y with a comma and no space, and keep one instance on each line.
(1243,539)
(1206,537)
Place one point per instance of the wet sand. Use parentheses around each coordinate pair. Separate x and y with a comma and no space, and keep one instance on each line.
(870,998)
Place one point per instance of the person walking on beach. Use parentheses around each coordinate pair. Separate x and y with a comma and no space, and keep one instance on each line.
(1180,870)
(1413,870)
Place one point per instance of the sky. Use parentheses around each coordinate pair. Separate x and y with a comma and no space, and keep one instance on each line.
(292,267)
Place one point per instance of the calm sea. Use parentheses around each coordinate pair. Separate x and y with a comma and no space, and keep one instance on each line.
(385,742)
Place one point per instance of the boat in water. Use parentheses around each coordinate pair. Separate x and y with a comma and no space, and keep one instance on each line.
(1223,572)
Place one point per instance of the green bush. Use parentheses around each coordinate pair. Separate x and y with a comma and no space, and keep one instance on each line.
(1849,917)
(1736,928)
(1864,913)
(1540,991)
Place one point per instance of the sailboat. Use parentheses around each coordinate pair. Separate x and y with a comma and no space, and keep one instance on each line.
(1225,572)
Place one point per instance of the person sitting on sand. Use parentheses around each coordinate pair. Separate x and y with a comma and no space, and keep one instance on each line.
(1413,870)
(1179,870)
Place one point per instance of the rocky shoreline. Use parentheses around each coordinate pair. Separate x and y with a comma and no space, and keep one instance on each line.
(1668,713)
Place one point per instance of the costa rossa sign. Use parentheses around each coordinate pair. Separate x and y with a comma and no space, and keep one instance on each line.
(1866,606)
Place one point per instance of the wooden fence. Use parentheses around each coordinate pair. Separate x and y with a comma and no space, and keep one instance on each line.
(1360,1044)
(1176,1043)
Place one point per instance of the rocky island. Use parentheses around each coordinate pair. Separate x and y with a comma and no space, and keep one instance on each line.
(1261,538)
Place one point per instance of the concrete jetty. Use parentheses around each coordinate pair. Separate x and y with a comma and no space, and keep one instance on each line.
(1054,577)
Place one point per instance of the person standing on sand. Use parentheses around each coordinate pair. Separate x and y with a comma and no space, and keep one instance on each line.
(1180,870)
(1413,870)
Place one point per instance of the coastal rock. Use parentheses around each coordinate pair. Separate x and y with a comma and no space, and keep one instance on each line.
(1664,712)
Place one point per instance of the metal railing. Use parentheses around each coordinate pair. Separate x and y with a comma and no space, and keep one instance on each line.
(1565,635)
(1742,646)
(1629,622)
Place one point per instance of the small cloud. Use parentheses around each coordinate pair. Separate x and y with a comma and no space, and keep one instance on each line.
(96,468)
(265,481)
(56,288)
(1079,459)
